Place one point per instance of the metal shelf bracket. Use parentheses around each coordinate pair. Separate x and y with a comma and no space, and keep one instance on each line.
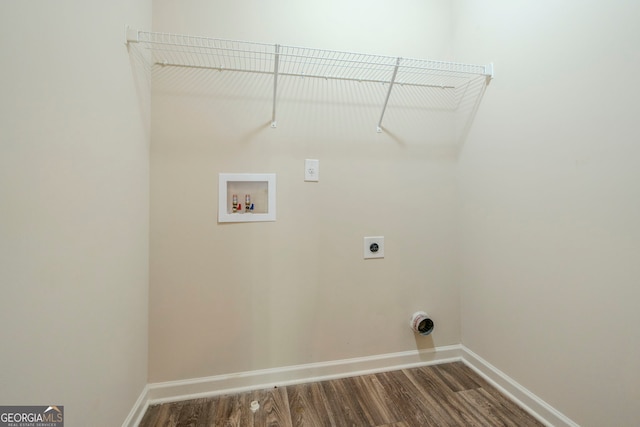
(276,61)
(386,100)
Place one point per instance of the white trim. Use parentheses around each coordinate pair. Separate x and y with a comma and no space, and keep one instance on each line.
(531,403)
(138,410)
(225,203)
(172,391)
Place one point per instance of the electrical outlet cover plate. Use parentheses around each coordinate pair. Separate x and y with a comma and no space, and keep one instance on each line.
(373,247)
(312,170)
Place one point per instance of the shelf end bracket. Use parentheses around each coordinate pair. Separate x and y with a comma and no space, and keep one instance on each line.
(131,35)
(488,72)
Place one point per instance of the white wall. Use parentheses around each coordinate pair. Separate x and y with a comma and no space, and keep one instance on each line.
(550,202)
(73,209)
(233,297)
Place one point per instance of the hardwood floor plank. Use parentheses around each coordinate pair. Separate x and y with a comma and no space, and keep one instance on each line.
(154,415)
(375,400)
(343,405)
(407,398)
(491,412)
(274,408)
(166,415)
(481,405)
(441,398)
(457,376)
(308,406)
(229,411)
(439,395)
(195,413)
(499,410)
(510,408)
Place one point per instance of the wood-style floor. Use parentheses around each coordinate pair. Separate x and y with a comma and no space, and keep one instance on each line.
(441,395)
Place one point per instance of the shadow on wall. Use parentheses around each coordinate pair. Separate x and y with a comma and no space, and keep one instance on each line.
(424,342)
(414,115)
(140,61)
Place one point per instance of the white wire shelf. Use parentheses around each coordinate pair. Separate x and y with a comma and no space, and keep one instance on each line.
(282,60)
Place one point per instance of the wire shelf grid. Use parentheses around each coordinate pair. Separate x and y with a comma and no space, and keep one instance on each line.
(282,60)
(194,51)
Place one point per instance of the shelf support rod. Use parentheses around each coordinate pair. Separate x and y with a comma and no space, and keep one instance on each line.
(386,100)
(276,60)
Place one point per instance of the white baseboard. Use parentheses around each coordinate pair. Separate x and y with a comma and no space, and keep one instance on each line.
(138,410)
(173,391)
(537,407)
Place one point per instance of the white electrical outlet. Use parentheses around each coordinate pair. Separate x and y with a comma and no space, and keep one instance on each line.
(311,170)
(373,247)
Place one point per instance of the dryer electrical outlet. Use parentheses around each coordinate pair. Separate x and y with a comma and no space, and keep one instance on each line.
(373,247)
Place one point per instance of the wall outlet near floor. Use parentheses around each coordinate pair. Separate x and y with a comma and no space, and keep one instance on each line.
(373,247)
